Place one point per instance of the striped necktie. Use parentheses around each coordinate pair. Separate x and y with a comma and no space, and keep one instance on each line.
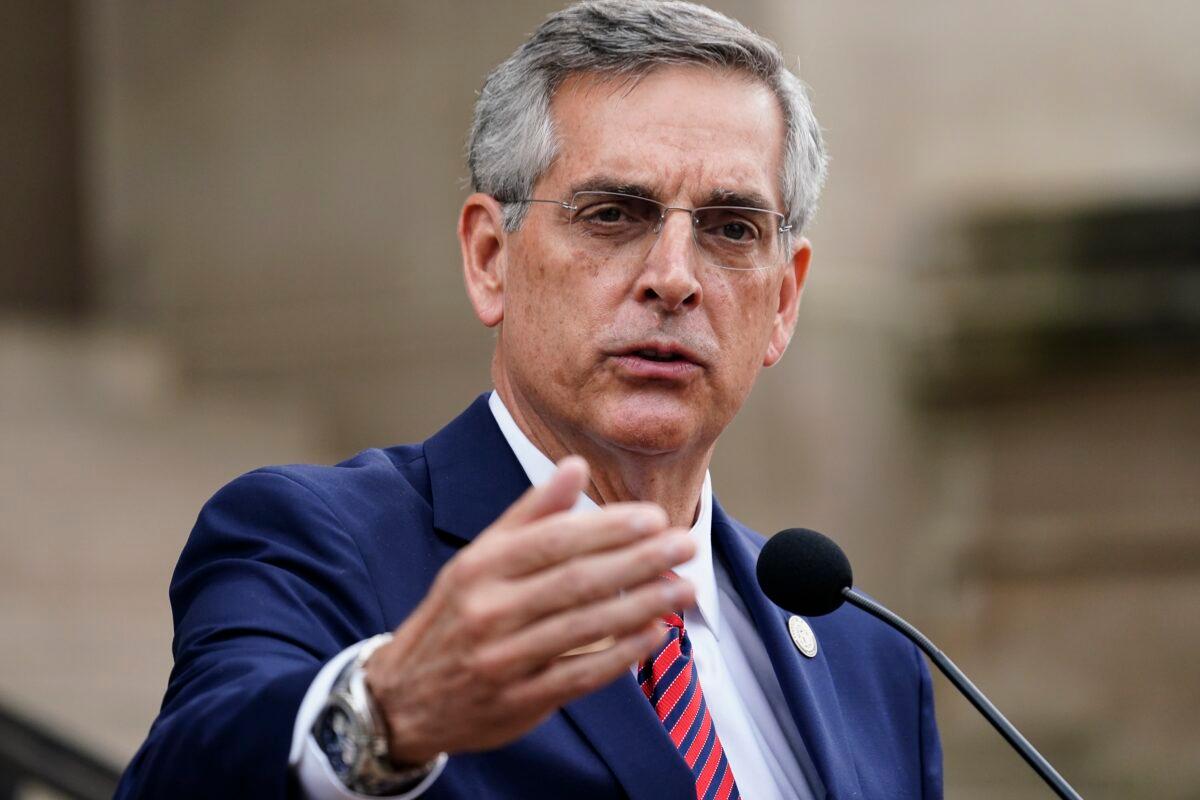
(668,679)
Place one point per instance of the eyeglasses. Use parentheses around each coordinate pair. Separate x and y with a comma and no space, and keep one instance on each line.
(729,237)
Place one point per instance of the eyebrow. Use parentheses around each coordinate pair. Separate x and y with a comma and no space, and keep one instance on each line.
(730,197)
(604,183)
(717,197)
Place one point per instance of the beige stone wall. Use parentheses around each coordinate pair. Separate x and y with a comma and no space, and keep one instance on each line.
(1055,517)
(269,191)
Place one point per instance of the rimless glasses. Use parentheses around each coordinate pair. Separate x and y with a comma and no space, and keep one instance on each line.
(729,237)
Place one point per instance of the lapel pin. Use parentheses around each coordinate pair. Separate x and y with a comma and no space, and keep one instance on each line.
(802,636)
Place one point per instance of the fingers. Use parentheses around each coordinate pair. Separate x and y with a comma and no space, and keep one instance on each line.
(528,650)
(560,537)
(567,679)
(503,612)
(587,579)
(557,494)
(495,609)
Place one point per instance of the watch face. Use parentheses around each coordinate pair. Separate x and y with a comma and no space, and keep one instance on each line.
(336,742)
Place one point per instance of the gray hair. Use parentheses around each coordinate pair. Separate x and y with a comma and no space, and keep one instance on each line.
(512,141)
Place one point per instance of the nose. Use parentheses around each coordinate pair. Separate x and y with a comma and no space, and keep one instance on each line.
(670,268)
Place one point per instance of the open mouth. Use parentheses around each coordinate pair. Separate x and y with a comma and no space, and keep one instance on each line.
(658,355)
(658,361)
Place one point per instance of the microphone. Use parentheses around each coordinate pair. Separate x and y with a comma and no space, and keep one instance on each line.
(807,573)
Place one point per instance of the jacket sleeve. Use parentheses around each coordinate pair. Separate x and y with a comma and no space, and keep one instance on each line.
(269,586)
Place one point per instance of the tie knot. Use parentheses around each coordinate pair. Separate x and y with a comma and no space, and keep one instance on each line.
(673,619)
(669,680)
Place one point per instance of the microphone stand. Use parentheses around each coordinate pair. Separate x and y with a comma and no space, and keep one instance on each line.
(1011,735)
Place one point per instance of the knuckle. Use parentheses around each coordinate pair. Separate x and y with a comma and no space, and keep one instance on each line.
(486,666)
(451,574)
(526,697)
(590,626)
(550,544)
(578,582)
(479,613)
(466,568)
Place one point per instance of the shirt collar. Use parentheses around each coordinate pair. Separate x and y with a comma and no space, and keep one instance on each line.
(699,570)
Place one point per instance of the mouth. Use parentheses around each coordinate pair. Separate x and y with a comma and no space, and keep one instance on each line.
(663,352)
(658,355)
(657,361)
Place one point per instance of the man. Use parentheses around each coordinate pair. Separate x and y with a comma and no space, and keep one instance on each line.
(643,172)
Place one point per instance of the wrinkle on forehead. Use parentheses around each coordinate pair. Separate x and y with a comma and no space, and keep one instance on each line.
(688,132)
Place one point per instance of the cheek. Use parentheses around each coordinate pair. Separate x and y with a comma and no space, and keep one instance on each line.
(555,302)
(746,312)
(743,318)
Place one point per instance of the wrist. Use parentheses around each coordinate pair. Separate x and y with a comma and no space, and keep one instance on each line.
(352,733)
(380,671)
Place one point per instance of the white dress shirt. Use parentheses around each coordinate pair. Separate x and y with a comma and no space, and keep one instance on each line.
(751,716)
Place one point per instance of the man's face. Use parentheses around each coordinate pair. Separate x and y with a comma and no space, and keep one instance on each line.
(577,321)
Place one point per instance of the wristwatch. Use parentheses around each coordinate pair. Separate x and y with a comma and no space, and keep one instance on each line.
(353,736)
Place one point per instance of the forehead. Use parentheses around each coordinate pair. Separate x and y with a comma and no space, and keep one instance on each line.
(686,132)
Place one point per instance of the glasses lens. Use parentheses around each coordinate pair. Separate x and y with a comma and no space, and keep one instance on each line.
(727,236)
(613,218)
(738,238)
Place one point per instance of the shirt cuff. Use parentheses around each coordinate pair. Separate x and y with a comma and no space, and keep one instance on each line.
(316,777)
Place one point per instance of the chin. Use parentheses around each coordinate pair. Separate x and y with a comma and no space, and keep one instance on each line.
(649,426)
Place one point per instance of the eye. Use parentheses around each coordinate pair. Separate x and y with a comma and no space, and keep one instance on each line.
(728,226)
(601,212)
(735,231)
(609,214)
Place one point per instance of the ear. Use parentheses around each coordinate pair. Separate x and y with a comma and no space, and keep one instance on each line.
(790,290)
(482,238)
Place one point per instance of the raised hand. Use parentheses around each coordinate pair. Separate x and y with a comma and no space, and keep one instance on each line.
(481,660)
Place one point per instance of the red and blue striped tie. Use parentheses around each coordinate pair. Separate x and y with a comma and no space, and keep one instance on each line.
(669,680)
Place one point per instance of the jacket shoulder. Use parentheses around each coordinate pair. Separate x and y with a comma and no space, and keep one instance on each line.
(322,524)
(398,471)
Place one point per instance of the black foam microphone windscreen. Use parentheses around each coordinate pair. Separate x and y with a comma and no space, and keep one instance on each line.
(804,572)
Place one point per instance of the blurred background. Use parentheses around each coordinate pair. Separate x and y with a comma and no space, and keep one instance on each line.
(227,240)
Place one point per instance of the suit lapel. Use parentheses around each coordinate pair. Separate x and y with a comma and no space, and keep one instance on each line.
(474,476)
(807,682)
(623,728)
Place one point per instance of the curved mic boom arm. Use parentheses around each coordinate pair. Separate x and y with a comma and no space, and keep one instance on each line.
(1032,757)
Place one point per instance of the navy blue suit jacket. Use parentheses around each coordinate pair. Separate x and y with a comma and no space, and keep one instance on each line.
(289,565)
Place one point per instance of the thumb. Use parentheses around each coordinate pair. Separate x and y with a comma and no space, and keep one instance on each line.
(557,494)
